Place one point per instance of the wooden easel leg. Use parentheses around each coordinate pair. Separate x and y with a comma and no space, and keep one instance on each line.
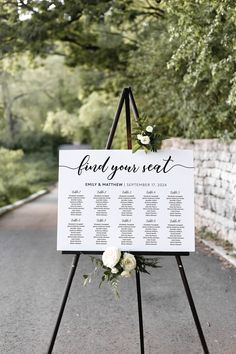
(64,299)
(140,314)
(191,304)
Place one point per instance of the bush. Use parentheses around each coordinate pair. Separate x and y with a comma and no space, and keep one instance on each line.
(95,119)
(22,174)
(13,185)
(36,141)
(41,170)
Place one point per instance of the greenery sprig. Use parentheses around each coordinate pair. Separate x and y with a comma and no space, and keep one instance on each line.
(115,265)
(145,136)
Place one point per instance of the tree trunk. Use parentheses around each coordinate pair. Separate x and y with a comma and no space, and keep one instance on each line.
(7,106)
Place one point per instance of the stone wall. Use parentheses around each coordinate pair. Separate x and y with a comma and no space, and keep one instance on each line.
(215,184)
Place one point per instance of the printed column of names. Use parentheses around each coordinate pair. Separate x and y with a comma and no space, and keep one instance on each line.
(75,226)
(175,226)
(126,225)
(150,209)
(101,209)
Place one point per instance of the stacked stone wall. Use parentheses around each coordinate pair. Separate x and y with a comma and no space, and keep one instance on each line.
(215,184)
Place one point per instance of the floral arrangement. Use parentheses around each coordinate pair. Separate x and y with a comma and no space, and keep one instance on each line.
(146,137)
(116,264)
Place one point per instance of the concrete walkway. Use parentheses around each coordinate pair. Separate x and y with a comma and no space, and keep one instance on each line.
(32,280)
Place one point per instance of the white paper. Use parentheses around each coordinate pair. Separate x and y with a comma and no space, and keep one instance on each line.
(134,201)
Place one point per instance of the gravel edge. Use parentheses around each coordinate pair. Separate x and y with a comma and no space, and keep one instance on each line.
(220,251)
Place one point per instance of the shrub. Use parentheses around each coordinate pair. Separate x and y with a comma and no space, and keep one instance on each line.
(13,184)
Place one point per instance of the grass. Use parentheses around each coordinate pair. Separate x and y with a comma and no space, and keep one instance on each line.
(206,234)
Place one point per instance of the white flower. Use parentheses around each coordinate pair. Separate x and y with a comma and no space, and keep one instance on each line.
(149,129)
(128,262)
(139,136)
(145,140)
(125,274)
(111,257)
(114,270)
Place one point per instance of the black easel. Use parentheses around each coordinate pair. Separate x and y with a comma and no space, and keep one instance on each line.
(128,99)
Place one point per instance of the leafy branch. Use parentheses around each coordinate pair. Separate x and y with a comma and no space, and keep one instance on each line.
(146,136)
(124,266)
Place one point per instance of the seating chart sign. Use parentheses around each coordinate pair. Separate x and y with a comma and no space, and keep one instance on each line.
(135,201)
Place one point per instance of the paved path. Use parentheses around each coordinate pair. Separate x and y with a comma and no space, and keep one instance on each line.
(32,280)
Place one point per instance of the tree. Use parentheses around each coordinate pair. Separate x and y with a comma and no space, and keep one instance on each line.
(186,69)
(95,119)
(61,123)
(7,104)
(179,56)
(204,62)
(12,185)
(39,26)
(28,91)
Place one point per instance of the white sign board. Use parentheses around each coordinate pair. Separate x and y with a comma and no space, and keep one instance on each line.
(134,201)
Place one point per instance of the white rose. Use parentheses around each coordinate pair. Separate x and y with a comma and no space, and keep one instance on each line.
(125,274)
(114,270)
(111,257)
(128,262)
(145,140)
(139,136)
(149,129)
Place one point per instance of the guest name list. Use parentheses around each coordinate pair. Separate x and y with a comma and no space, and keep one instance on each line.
(137,202)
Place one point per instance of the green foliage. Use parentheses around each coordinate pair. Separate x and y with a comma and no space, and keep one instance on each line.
(61,123)
(96,117)
(22,175)
(145,136)
(178,56)
(12,183)
(41,170)
(37,141)
(40,27)
(204,63)
(155,87)
(143,263)
(113,275)
(29,91)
